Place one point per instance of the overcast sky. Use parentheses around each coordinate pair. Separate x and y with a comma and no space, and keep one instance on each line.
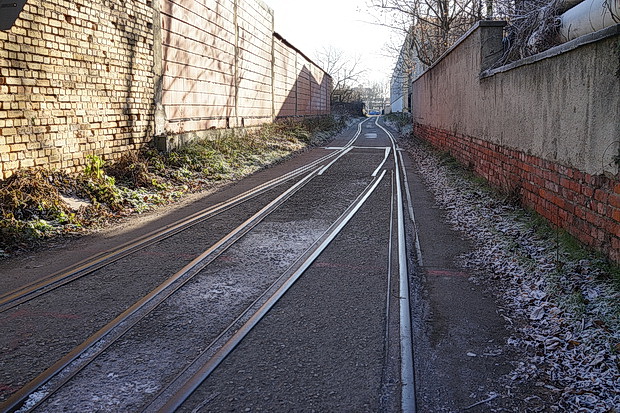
(344,24)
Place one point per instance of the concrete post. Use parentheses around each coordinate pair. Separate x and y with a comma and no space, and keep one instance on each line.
(159,118)
(491,44)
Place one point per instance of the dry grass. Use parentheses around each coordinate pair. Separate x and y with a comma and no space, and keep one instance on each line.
(33,207)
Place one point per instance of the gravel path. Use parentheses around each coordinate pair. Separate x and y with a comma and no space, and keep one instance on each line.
(562,305)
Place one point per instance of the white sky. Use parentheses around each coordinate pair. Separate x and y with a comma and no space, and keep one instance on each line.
(344,24)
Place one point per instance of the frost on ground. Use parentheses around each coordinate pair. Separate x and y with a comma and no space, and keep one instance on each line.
(563,306)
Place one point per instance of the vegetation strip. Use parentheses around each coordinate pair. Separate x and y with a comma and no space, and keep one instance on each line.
(38,205)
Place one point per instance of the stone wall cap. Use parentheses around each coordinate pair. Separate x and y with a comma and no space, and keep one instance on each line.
(557,50)
(476,26)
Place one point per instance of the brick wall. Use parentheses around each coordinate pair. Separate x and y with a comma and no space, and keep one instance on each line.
(585,205)
(108,76)
(75,79)
(533,127)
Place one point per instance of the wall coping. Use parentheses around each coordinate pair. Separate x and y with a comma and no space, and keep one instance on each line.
(556,50)
(289,44)
(476,26)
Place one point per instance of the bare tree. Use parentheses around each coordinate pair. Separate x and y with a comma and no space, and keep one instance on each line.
(431,26)
(346,71)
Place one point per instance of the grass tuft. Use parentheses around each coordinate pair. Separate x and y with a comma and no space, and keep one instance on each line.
(33,205)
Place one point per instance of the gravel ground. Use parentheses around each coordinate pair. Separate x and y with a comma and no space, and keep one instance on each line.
(564,312)
(128,374)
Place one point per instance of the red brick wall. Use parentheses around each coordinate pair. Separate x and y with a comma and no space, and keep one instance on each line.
(587,206)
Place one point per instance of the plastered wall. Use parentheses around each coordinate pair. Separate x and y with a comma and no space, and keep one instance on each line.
(546,128)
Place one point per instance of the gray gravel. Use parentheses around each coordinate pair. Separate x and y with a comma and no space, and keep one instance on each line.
(132,370)
(322,346)
(39,332)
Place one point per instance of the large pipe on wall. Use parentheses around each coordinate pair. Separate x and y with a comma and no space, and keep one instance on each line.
(589,16)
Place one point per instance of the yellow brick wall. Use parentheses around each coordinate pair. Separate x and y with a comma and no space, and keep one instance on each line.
(75,79)
(85,77)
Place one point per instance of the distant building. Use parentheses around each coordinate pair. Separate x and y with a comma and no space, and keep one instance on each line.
(374,97)
(408,68)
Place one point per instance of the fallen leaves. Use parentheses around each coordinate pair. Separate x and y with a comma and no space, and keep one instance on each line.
(564,311)
(537,313)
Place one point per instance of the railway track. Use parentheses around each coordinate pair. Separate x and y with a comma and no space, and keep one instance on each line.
(13,298)
(157,352)
(30,291)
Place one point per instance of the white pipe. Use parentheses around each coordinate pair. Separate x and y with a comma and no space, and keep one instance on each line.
(564,5)
(589,16)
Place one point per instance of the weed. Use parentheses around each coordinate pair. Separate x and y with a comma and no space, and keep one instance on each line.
(101,187)
(94,167)
(400,119)
(29,202)
(32,209)
(133,170)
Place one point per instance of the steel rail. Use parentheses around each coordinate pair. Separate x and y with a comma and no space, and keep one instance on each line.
(26,293)
(357,147)
(207,367)
(388,289)
(359,131)
(418,248)
(130,317)
(385,158)
(408,403)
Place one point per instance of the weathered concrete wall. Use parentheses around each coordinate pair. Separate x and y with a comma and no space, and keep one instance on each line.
(285,72)
(224,67)
(254,73)
(198,59)
(546,128)
(107,76)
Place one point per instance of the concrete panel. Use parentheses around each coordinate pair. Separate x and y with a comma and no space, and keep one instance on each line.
(544,129)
